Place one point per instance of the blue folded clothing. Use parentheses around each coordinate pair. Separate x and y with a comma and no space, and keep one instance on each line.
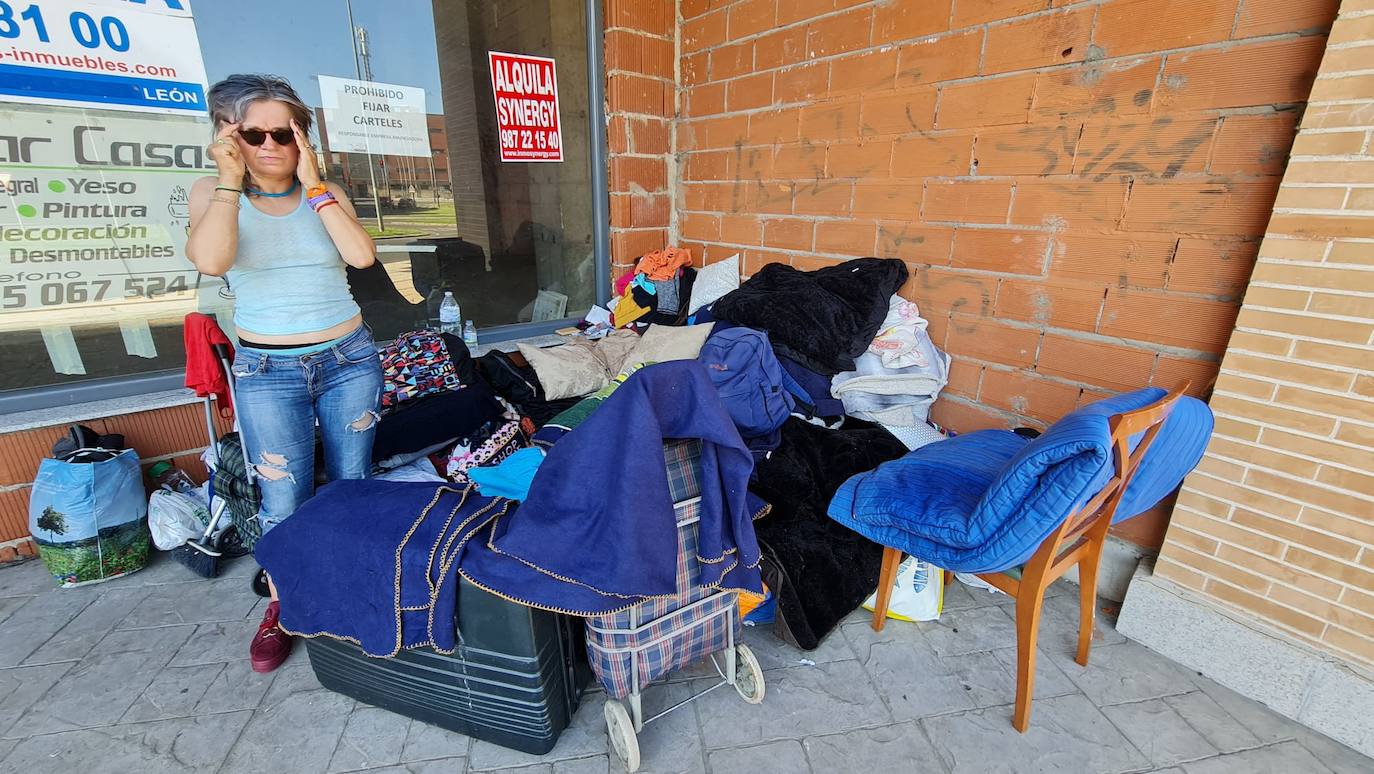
(511,478)
(984,501)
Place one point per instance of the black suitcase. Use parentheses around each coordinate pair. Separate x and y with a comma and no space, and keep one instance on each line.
(515,681)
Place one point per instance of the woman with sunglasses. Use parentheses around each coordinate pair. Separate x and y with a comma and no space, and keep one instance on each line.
(283,237)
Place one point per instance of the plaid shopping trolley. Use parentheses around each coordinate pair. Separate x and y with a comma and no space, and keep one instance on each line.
(634,647)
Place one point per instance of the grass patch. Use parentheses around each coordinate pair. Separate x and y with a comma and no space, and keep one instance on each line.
(115,551)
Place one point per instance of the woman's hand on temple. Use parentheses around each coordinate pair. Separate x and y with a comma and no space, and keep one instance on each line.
(307,167)
(225,151)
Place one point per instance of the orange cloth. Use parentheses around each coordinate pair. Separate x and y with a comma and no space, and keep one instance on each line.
(664,264)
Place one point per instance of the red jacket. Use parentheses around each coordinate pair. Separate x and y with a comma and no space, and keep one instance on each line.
(203,371)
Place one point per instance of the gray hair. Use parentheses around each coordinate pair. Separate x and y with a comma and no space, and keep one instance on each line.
(229,99)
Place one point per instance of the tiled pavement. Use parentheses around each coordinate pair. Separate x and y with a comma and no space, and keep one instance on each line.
(149,674)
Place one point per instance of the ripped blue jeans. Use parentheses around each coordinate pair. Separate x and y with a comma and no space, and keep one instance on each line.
(280,397)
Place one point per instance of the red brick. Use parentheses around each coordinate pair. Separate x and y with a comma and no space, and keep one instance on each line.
(695,68)
(1011,252)
(913,243)
(900,21)
(749,92)
(699,226)
(731,61)
(647,136)
(777,198)
(1027,394)
(1026,150)
(1181,321)
(1068,203)
(865,158)
(649,174)
(1164,146)
(986,102)
(705,31)
(1254,145)
(900,112)
(965,417)
(823,197)
(887,200)
(799,161)
(774,126)
(964,377)
(751,17)
(1040,41)
(706,197)
(833,120)
(708,166)
(1171,372)
(649,211)
(1218,267)
(932,154)
(690,9)
(1271,17)
(752,163)
(628,50)
(1095,362)
(741,229)
(801,84)
(753,260)
(14,513)
(966,201)
(870,71)
(781,48)
(992,341)
(626,93)
(1121,88)
(840,33)
(1060,304)
(707,99)
(790,11)
(788,234)
(618,134)
(939,59)
(845,237)
(967,12)
(1256,74)
(1121,260)
(939,292)
(1222,207)
(626,246)
(655,16)
(1135,26)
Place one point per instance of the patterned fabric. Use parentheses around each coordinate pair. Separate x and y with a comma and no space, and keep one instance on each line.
(231,483)
(661,635)
(683,461)
(505,441)
(416,364)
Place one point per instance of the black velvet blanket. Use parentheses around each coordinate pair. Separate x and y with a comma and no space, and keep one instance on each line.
(823,319)
(819,570)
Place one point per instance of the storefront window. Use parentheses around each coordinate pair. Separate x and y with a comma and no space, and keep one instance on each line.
(468,182)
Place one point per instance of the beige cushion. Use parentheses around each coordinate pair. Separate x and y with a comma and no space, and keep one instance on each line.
(579,367)
(662,343)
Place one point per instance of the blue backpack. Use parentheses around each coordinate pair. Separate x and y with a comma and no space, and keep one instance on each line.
(751,382)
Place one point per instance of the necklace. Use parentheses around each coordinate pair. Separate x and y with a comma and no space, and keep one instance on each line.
(294,182)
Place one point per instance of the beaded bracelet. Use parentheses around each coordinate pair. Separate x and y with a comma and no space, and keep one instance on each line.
(317,202)
(222,200)
(228,188)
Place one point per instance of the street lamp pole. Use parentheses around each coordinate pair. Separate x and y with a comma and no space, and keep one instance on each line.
(358,70)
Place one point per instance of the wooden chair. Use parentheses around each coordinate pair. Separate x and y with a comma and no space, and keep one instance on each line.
(1076,541)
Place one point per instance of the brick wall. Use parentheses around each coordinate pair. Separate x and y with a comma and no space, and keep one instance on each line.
(1278,521)
(177,434)
(641,102)
(1079,190)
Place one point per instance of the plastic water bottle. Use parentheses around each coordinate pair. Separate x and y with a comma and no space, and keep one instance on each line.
(469,334)
(450,317)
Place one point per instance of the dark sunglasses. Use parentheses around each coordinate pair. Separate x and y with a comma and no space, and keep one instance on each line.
(258,136)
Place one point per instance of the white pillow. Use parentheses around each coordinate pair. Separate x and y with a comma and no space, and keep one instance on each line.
(713,282)
(662,343)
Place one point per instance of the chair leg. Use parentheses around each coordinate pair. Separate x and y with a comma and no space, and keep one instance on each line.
(1028,604)
(892,559)
(1087,602)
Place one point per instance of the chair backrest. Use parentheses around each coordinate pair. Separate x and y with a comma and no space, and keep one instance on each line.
(1102,507)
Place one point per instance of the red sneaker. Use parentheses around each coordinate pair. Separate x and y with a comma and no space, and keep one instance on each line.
(270,645)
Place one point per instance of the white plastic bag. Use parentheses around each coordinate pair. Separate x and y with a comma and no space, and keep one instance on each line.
(175,518)
(917,595)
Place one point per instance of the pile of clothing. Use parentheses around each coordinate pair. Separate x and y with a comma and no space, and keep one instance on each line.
(538,474)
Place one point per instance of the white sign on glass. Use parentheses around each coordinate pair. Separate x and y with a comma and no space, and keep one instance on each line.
(384,119)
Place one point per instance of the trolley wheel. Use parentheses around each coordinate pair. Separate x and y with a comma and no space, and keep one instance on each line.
(621,729)
(748,675)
